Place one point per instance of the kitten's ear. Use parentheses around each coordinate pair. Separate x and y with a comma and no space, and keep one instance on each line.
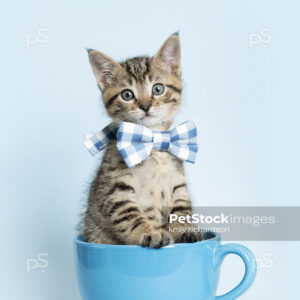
(103,67)
(168,56)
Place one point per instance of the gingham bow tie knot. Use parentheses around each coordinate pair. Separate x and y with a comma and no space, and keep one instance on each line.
(135,142)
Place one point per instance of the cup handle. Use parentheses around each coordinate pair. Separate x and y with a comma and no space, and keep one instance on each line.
(250,268)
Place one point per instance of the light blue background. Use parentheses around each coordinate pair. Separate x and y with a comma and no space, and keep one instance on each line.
(245,100)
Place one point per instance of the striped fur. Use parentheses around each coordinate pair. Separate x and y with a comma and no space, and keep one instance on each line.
(132,206)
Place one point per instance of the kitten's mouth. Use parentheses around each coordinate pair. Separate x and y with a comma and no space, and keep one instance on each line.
(146,116)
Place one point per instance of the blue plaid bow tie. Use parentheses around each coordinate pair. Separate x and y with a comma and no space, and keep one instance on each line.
(135,142)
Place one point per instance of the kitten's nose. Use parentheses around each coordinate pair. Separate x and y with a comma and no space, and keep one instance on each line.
(145,107)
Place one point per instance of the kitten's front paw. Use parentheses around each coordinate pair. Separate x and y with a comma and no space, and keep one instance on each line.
(189,237)
(156,239)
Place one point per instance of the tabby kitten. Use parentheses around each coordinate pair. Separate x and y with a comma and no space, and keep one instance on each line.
(132,206)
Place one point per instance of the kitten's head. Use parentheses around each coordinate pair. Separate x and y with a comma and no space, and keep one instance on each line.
(141,90)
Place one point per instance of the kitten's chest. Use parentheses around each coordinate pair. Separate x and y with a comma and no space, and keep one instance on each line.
(155,179)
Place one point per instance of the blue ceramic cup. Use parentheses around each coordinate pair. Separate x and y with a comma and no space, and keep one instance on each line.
(175,272)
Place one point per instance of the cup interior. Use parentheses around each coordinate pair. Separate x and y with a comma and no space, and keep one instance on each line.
(207,237)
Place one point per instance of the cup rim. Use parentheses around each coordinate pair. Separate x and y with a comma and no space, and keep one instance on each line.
(210,237)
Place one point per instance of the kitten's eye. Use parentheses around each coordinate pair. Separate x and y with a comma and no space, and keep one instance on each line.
(127,95)
(158,89)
